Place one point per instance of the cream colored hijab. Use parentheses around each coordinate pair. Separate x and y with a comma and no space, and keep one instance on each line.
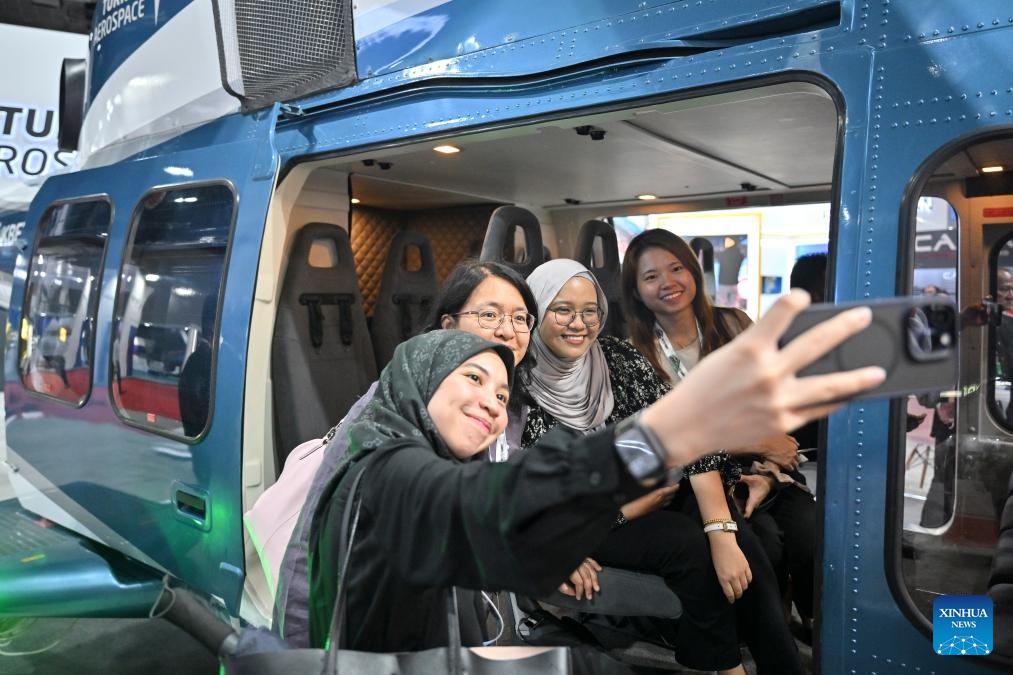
(576,392)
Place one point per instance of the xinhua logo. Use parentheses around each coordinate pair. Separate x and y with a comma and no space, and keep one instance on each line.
(962,625)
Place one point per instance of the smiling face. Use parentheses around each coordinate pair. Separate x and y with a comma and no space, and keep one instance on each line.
(469,406)
(664,284)
(572,341)
(500,296)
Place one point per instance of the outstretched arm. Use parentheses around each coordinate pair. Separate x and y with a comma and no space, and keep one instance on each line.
(752,383)
(523,525)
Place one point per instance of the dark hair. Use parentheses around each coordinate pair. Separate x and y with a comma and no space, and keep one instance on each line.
(641,320)
(699,244)
(458,287)
(810,274)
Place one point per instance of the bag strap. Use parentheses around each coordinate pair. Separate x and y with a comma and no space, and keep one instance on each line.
(349,523)
(453,633)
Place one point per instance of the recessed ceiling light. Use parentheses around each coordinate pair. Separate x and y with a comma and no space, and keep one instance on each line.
(447,149)
(647,198)
(355,200)
(995,168)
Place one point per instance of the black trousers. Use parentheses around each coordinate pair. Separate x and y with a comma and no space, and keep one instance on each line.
(787,530)
(671,544)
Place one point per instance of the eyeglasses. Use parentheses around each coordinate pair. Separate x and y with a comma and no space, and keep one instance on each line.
(565,316)
(522,322)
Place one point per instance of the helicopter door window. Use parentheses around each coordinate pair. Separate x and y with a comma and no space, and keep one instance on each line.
(928,453)
(166,318)
(956,464)
(57,332)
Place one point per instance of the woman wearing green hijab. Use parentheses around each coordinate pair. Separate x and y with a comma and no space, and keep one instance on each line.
(431,520)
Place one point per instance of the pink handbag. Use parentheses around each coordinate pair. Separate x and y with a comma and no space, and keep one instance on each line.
(272,519)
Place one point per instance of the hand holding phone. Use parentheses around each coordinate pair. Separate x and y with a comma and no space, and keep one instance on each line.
(754,382)
(912,338)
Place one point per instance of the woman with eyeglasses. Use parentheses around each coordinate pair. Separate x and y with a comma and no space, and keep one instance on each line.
(492,301)
(486,299)
(584,382)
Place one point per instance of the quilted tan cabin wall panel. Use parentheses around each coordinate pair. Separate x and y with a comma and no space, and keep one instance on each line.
(454,233)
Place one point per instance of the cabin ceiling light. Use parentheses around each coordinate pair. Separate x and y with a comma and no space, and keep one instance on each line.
(647,197)
(447,149)
(995,168)
(355,200)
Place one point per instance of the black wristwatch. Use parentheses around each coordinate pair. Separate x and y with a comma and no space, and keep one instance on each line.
(642,452)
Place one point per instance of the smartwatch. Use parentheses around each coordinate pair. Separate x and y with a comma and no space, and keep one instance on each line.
(642,452)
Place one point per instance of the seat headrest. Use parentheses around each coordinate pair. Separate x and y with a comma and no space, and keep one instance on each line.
(584,253)
(502,225)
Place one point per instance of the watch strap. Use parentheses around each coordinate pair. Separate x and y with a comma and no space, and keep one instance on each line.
(722,526)
(670,475)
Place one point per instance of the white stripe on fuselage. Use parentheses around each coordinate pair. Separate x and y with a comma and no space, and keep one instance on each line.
(169,85)
(172,81)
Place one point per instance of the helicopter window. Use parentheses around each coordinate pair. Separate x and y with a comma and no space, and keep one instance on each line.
(167,307)
(58,324)
(929,443)
(957,461)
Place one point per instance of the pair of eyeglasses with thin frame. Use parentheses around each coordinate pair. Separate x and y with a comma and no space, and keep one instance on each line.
(565,316)
(522,322)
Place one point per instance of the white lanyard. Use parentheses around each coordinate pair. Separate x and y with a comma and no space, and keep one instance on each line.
(669,351)
(501,451)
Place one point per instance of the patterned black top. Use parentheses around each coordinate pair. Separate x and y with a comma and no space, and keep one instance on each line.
(635,385)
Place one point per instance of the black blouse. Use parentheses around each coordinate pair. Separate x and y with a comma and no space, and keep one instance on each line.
(635,385)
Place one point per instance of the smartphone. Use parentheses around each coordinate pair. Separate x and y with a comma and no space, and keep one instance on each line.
(913,338)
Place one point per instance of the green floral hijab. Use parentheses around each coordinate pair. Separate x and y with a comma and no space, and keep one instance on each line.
(418,367)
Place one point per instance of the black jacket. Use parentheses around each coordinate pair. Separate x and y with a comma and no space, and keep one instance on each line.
(427,524)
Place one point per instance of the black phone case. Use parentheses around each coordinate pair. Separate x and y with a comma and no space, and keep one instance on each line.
(886,343)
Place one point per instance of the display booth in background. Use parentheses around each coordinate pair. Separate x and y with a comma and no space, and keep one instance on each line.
(29,108)
(753,250)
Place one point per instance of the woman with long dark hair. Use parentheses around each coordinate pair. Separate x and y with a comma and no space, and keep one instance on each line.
(673,324)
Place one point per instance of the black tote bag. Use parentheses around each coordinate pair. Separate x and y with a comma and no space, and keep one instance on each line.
(454,659)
